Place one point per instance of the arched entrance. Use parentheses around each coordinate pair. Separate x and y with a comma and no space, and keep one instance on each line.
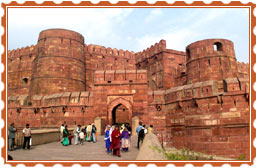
(120,111)
(120,114)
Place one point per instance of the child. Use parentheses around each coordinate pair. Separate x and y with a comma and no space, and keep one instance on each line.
(81,136)
(107,139)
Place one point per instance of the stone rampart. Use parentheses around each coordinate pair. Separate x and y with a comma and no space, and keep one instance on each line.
(102,58)
(150,149)
(51,110)
(243,69)
(20,69)
(149,52)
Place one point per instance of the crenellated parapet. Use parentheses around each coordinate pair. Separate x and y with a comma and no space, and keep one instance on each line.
(20,69)
(200,90)
(243,69)
(149,52)
(103,51)
(120,77)
(51,110)
(22,52)
(53,100)
(21,59)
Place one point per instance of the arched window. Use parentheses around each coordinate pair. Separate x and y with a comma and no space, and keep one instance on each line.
(217,46)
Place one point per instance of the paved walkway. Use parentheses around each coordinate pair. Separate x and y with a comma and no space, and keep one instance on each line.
(87,151)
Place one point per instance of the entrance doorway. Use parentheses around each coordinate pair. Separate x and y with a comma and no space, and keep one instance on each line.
(120,115)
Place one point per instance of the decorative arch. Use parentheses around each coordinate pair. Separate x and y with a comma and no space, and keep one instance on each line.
(117,102)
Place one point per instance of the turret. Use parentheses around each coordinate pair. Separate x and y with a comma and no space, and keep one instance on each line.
(211,59)
(59,65)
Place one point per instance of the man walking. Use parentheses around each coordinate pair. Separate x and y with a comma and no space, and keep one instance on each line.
(138,130)
(11,136)
(27,135)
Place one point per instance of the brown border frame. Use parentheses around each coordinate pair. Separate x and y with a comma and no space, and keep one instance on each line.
(252,41)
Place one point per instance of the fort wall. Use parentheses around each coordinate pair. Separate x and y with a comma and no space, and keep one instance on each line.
(243,69)
(102,58)
(164,66)
(20,69)
(127,87)
(200,118)
(51,110)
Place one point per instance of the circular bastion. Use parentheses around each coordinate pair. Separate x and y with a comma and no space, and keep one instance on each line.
(60,63)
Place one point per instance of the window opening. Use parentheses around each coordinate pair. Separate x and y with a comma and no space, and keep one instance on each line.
(25,80)
(188,53)
(218,46)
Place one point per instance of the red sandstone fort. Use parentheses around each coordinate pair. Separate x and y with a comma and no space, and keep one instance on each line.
(197,99)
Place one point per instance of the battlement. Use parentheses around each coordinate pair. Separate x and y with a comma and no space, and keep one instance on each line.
(53,100)
(149,52)
(206,89)
(97,49)
(243,67)
(20,52)
(61,34)
(120,77)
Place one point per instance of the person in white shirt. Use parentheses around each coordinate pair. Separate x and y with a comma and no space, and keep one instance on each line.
(76,134)
(81,137)
(27,135)
(61,132)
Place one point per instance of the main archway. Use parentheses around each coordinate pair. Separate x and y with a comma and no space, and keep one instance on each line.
(119,111)
(120,114)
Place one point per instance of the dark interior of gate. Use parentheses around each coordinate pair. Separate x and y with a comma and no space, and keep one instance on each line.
(120,115)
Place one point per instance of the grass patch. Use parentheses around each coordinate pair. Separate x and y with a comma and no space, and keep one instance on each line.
(184,154)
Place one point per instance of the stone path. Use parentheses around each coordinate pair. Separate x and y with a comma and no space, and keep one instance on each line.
(87,151)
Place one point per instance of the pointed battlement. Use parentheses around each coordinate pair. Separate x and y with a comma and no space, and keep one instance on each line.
(149,52)
(20,52)
(97,49)
(243,69)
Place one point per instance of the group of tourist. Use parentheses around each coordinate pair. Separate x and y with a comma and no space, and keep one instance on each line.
(80,134)
(117,137)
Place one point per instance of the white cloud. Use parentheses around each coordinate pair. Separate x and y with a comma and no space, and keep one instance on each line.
(180,36)
(155,13)
(94,24)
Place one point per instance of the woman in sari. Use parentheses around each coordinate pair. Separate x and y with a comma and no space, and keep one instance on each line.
(125,143)
(65,141)
(107,138)
(115,145)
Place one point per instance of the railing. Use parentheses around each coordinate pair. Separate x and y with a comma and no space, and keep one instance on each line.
(39,136)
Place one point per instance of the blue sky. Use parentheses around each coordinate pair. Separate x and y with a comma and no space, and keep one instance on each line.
(134,29)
